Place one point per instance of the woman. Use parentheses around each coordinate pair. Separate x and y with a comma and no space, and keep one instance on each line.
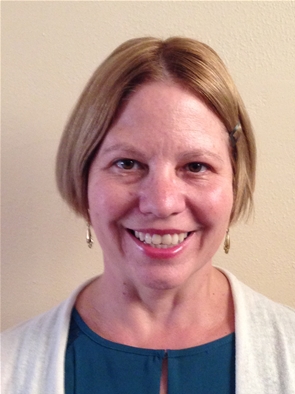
(159,158)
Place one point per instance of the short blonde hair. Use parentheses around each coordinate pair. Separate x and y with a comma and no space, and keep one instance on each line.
(188,62)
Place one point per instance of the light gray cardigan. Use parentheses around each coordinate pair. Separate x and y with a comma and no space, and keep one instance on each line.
(33,352)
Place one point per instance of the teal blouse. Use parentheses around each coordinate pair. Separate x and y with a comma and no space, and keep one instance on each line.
(96,365)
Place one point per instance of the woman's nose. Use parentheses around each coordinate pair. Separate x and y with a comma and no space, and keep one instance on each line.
(161,194)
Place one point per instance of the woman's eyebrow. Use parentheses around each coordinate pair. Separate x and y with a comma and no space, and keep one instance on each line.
(190,155)
(128,148)
(186,155)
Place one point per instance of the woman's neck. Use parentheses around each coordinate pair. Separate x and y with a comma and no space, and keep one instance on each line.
(199,312)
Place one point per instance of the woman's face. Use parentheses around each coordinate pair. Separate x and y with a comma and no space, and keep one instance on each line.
(160,188)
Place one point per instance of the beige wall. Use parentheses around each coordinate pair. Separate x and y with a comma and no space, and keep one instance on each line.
(49,50)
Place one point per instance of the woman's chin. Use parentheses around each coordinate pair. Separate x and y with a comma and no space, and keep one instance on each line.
(163,278)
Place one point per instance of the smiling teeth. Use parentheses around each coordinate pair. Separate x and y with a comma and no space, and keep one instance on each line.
(161,241)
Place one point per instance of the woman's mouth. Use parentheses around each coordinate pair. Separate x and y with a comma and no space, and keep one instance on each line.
(159,241)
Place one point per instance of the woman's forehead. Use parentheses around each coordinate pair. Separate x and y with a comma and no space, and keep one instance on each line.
(169,105)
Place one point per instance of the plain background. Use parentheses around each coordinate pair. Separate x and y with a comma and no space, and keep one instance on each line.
(50,49)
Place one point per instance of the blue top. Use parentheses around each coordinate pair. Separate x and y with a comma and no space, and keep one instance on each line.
(96,365)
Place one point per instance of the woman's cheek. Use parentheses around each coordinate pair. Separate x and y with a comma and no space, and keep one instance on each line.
(216,202)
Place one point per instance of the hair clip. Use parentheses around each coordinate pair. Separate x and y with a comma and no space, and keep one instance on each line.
(233,139)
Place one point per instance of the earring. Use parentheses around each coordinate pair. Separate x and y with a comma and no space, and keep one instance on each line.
(226,245)
(89,239)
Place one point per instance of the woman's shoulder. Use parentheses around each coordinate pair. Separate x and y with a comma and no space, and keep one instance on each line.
(254,306)
(265,341)
(35,334)
(45,320)
(25,347)
(39,332)
(33,327)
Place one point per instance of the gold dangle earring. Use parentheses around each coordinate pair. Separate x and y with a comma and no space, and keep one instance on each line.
(226,245)
(89,239)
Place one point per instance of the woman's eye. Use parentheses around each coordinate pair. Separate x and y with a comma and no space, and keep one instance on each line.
(196,167)
(126,164)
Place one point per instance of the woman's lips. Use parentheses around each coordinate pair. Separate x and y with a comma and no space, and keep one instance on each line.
(157,245)
(160,241)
